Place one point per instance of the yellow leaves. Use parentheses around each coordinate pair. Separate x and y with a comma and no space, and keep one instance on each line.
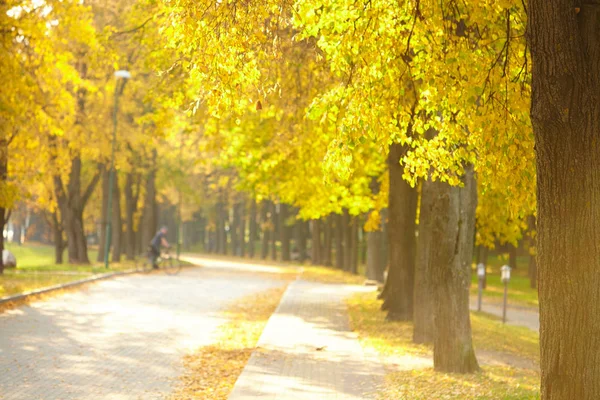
(9,194)
(212,371)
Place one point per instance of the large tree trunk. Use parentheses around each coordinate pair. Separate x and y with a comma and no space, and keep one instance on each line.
(150,211)
(253,234)
(397,293)
(117,222)
(565,113)
(71,202)
(339,241)
(284,232)
(532,253)
(57,236)
(103,215)
(453,228)
(423,329)
(316,241)
(327,240)
(266,239)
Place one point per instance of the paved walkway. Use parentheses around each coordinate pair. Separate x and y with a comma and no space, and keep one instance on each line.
(118,339)
(527,317)
(308,352)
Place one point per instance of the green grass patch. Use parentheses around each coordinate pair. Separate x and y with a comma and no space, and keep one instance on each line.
(393,340)
(36,269)
(519,289)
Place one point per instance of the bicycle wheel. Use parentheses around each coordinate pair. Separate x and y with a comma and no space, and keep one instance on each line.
(172,266)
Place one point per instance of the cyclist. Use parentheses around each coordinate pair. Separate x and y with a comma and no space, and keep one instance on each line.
(159,239)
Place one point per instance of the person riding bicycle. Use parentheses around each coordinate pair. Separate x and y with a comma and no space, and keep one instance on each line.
(159,239)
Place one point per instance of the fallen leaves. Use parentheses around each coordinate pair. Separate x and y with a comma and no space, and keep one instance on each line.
(212,371)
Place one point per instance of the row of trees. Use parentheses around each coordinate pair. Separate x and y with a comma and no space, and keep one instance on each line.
(332,110)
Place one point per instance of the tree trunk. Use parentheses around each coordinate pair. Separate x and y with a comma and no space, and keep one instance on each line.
(565,114)
(242,229)
(453,227)
(374,251)
(131,199)
(316,241)
(327,240)
(347,235)
(103,216)
(397,293)
(532,253)
(423,329)
(354,245)
(117,223)
(150,211)
(57,236)
(301,239)
(339,241)
(512,260)
(264,212)
(274,233)
(253,229)
(284,232)
(71,202)
(235,229)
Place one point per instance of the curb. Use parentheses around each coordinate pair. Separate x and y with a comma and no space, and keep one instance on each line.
(79,282)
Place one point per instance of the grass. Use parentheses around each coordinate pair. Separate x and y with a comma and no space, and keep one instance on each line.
(330,275)
(36,269)
(520,292)
(12,283)
(211,371)
(410,373)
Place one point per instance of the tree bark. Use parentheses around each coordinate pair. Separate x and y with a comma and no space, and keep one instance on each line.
(103,215)
(453,228)
(264,212)
(327,240)
(72,201)
(532,253)
(242,229)
(354,245)
(423,329)
(346,235)
(235,228)
(397,293)
(301,239)
(512,260)
(284,232)
(117,223)
(253,227)
(274,233)
(565,114)
(150,211)
(339,241)
(316,241)
(132,192)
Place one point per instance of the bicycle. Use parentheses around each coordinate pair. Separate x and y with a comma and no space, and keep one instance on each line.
(165,261)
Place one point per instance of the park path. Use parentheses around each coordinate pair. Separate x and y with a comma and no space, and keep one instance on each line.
(528,317)
(118,339)
(307,350)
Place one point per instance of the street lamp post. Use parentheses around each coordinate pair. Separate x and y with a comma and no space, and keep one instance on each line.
(505,279)
(119,75)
